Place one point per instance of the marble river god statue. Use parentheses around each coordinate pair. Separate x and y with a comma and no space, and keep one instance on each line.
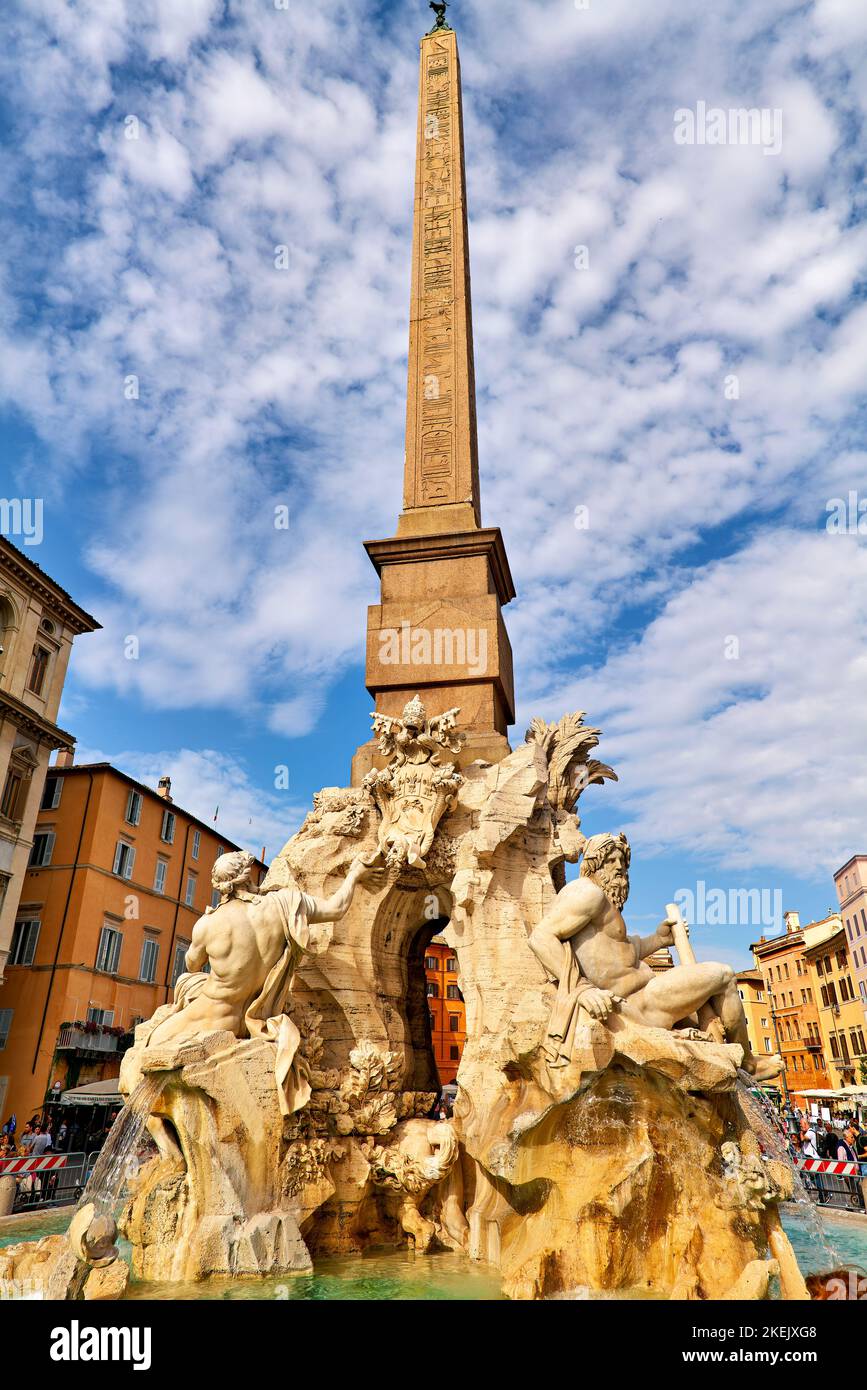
(252,943)
(583,944)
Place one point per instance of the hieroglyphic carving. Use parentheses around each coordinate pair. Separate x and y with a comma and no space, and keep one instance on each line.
(437,354)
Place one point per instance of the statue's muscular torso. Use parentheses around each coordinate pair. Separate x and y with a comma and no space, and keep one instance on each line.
(583,918)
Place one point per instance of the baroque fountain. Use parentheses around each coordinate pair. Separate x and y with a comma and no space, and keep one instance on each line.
(598,1140)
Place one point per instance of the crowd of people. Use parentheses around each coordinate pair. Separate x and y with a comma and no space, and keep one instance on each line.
(40,1136)
(821,1139)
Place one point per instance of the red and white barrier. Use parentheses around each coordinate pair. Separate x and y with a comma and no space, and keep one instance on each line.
(829,1165)
(31,1165)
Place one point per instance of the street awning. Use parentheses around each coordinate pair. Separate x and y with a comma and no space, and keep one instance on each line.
(844,1093)
(97,1093)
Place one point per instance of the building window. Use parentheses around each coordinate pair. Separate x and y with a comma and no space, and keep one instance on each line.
(215,898)
(160,876)
(168,831)
(180,962)
(148,967)
(190,893)
(108,954)
(433,1021)
(455,1054)
(12,795)
(133,808)
(454,1023)
(43,847)
(433,989)
(767,1044)
(124,859)
(38,668)
(452,965)
(24,939)
(105,1017)
(5,1025)
(452,992)
(764,1023)
(51,794)
(760,996)
(430,962)
(197,842)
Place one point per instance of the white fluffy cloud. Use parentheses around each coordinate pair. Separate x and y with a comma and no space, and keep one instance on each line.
(269,137)
(737,720)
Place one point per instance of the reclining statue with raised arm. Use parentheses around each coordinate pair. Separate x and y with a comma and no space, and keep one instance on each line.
(583,945)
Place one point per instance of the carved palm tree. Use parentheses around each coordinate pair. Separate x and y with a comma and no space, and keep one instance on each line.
(566,746)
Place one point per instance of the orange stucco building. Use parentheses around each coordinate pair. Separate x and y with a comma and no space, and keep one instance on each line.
(841,1013)
(118,876)
(792,1004)
(448,1019)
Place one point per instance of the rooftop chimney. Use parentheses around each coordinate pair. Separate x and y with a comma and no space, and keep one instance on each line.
(65,757)
(164,788)
(793,920)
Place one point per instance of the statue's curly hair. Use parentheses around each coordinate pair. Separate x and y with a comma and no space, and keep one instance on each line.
(230,870)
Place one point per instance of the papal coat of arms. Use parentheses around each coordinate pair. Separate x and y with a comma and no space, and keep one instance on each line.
(416,788)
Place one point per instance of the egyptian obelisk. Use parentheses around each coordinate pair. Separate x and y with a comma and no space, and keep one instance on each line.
(438,629)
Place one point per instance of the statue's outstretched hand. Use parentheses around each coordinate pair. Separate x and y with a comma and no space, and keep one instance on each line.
(597,1002)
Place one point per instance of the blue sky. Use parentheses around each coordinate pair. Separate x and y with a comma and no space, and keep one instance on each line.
(742,762)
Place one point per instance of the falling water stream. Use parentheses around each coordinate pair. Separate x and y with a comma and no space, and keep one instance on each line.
(118,1161)
(119,1158)
(776,1147)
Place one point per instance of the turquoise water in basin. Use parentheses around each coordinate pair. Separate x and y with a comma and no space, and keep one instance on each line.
(381,1276)
(847,1235)
(400,1276)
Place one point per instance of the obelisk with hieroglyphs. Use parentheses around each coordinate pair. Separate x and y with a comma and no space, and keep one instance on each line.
(438,629)
(442,464)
